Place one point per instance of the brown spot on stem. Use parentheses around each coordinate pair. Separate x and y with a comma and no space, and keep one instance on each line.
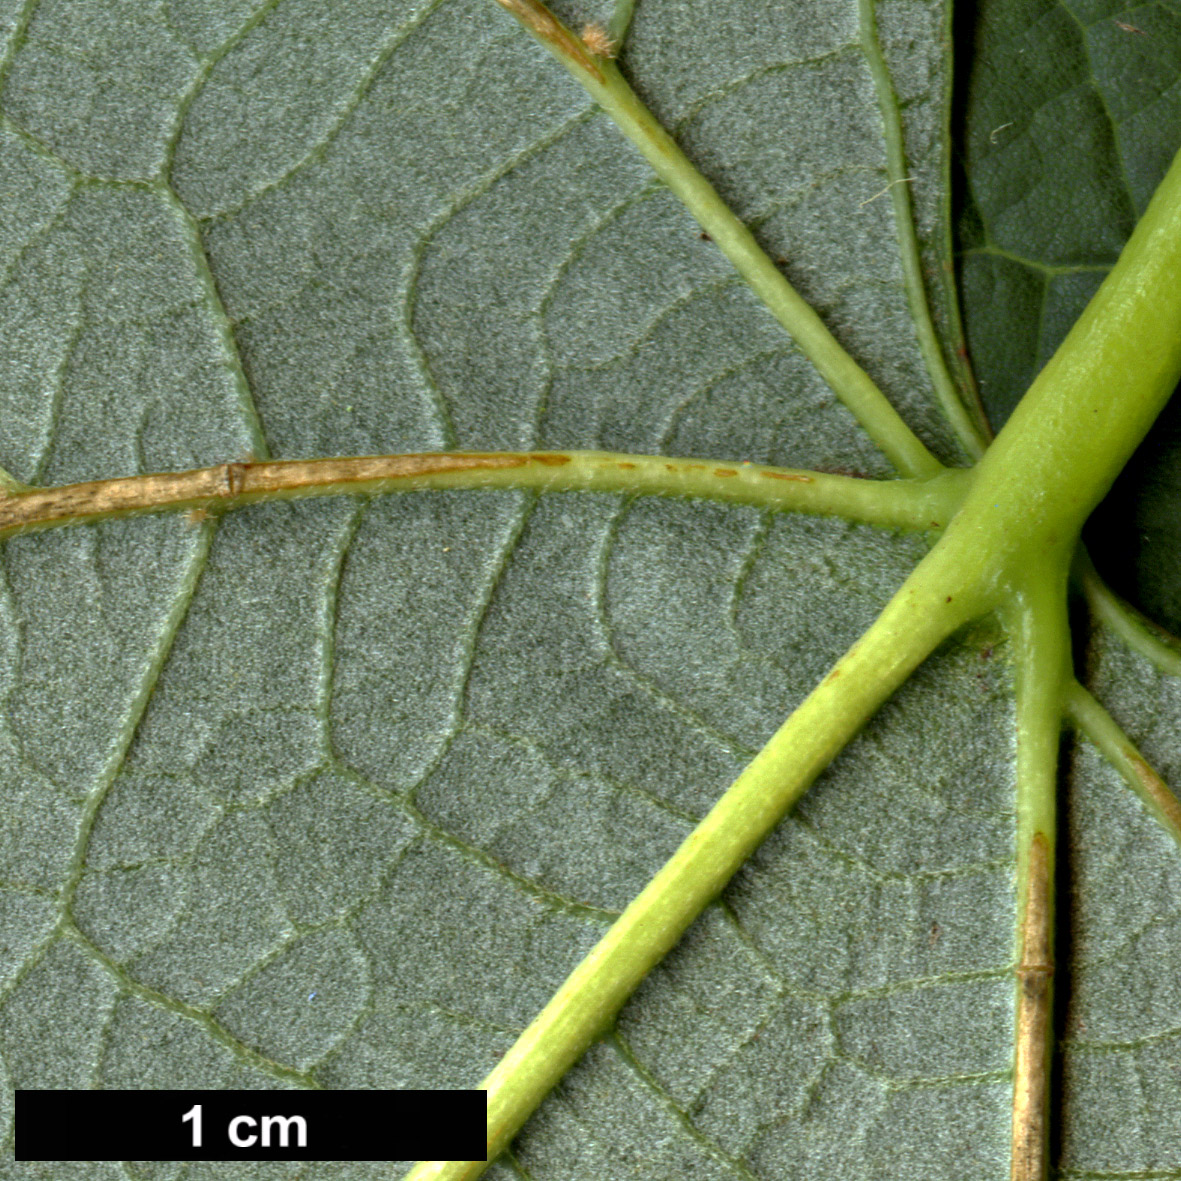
(725,471)
(234,478)
(550,460)
(798,479)
(627,467)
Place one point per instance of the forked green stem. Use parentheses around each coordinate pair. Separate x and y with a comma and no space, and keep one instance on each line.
(1085,414)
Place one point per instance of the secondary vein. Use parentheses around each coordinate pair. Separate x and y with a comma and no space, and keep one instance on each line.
(891,504)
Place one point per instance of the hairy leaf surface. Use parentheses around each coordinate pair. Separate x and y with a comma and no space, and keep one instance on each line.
(337,792)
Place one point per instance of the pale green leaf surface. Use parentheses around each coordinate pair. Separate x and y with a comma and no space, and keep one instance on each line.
(1122,1053)
(336,793)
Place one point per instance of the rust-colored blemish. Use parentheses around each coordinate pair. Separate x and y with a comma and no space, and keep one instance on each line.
(670,467)
(550,460)
(233,477)
(1157,790)
(832,676)
(365,469)
(627,467)
(725,471)
(797,479)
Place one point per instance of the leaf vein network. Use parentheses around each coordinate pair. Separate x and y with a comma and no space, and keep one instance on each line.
(318,148)
(651,1083)
(138,704)
(724,91)
(419,252)
(575,252)
(649,685)
(1113,123)
(495,572)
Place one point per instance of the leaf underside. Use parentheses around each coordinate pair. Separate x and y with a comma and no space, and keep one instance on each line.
(333,793)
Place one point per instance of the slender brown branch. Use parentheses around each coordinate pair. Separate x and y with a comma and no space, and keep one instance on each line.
(1031,1070)
(224,485)
(900,504)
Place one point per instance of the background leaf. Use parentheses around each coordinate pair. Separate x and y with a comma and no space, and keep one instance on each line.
(1070,115)
(337,793)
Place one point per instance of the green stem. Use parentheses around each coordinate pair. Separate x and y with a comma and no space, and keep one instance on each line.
(620,22)
(1120,751)
(1008,547)
(920,616)
(1136,630)
(848,380)
(1038,621)
(968,422)
(891,504)
(1091,405)
(10,484)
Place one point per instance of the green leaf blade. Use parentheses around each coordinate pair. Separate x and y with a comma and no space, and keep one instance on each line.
(341,801)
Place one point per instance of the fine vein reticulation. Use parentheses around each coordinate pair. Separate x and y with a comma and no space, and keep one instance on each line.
(1005,543)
